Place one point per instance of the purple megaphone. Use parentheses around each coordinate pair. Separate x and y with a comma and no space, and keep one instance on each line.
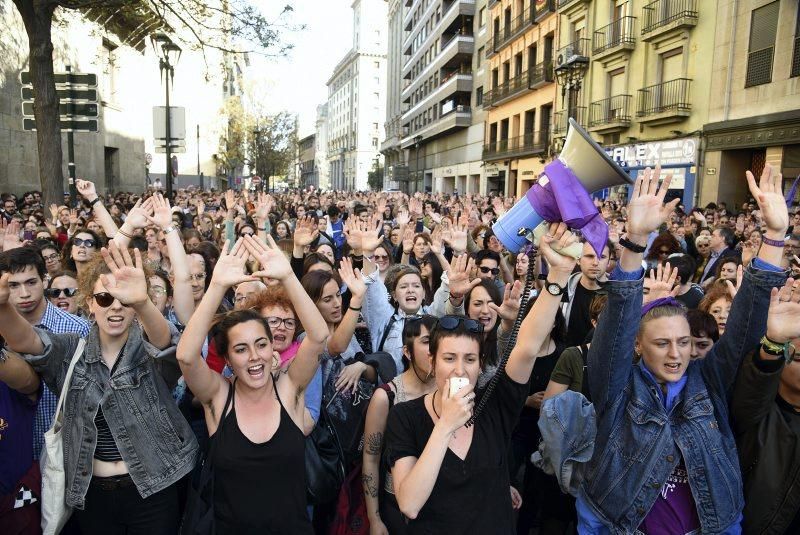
(562,193)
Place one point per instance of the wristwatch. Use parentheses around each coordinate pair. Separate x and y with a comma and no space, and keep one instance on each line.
(169,228)
(555,289)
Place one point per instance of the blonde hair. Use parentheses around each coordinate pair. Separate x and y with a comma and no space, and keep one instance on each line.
(91,274)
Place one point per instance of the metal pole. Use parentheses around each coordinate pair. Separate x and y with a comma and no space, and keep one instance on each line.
(73,192)
(202,187)
(168,68)
(416,170)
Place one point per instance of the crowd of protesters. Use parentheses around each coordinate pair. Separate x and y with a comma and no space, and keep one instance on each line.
(344,362)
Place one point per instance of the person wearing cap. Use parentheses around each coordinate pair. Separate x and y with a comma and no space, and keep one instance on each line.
(664,457)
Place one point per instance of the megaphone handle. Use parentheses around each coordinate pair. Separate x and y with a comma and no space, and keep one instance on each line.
(512,339)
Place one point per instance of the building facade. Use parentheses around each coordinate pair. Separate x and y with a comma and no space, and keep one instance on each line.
(442,123)
(321,148)
(357,100)
(395,175)
(647,90)
(520,92)
(755,117)
(307,148)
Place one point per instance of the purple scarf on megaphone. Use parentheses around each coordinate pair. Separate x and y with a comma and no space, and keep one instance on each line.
(563,198)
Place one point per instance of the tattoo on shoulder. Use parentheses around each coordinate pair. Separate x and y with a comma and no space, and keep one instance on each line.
(374,443)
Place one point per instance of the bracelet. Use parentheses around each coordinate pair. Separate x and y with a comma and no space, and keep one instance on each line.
(774,243)
(262,229)
(95,201)
(168,229)
(354,308)
(636,248)
(120,231)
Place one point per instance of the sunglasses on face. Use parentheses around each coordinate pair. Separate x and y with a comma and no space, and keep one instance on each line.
(105,299)
(380,257)
(79,242)
(493,271)
(52,293)
(451,323)
(156,291)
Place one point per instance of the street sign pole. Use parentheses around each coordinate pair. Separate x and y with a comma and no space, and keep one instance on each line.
(73,190)
(169,141)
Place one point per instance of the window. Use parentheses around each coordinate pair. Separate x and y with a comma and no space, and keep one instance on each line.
(796,51)
(377,64)
(374,143)
(763,27)
(108,64)
(374,126)
(481,53)
(482,17)
(479,96)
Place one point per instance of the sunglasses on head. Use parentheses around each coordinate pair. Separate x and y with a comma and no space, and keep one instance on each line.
(52,293)
(105,299)
(86,243)
(451,323)
(493,271)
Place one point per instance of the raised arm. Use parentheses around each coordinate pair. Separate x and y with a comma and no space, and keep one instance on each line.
(204,382)
(19,375)
(374,428)
(275,265)
(264,204)
(17,332)
(182,299)
(539,322)
(137,219)
(101,215)
(127,283)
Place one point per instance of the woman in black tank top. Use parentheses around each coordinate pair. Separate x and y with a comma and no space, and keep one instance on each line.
(259,463)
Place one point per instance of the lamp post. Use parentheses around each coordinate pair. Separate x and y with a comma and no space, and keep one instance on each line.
(417,139)
(168,54)
(570,75)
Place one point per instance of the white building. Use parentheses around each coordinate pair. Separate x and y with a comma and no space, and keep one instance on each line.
(357,100)
(321,150)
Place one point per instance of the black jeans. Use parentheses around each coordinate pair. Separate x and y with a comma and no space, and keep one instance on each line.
(114,507)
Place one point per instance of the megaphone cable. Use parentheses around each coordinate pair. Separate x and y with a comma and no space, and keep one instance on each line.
(512,340)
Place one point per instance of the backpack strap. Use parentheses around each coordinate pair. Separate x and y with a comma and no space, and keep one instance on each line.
(387,330)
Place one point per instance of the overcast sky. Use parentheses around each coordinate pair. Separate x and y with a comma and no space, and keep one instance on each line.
(297,83)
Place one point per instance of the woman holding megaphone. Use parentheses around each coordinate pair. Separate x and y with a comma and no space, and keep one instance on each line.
(449,478)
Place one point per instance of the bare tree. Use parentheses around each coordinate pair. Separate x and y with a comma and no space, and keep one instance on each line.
(233,26)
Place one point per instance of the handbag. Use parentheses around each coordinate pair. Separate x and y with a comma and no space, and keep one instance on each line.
(325,470)
(198,518)
(350,517)
(55,511)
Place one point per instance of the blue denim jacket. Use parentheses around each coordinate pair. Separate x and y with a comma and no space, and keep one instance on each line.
(640,441)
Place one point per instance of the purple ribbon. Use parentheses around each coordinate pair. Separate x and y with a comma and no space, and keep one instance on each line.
(792,192)
(661,302)
(563,198)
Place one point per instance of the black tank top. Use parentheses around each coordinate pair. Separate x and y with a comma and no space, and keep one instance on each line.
(260,488)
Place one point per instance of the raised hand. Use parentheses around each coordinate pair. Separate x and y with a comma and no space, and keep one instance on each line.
(769,196)
(201,207)
(264,205)
(230,268)
(458,235)
(784,309)
(305,231)
(748,252)
(352,229)
(436,239)
(402,217)
(647,211)
(509,309)
(370,237)
(5,292)
(274,264)
(162,213)
(662,283)
(10,232)
(230,201)
(54,211)
(559,236)
(732,290)
(458,276)
(86,189)
(127,281)
(137,217)
(352,278)
(73,218)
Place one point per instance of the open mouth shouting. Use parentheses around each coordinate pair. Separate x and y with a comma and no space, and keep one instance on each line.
(256,371)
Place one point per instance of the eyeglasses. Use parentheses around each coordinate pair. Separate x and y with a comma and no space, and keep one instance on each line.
(51,257)
(52,293)
(380,257)
(156,291)
(105,299)
(451,323)
(79,242)
(493,271)
(274,322)
(198,276)
(243,234)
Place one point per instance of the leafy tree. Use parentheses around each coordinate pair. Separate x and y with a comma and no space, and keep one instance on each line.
(233,26)
(375,177)
(273,145)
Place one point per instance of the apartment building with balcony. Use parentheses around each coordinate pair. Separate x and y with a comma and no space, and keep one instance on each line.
(442,131)
(395,174)
(754,115)
(356,106)
(520,92)
(647,91)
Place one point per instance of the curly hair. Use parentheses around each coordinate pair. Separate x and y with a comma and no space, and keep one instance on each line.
(91,274)
(272,296)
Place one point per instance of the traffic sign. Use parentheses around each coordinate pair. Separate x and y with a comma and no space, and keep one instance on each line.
(65,94)
(63,78)
(67,125)
(71,109)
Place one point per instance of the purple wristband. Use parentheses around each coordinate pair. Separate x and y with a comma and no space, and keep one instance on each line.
(774,243)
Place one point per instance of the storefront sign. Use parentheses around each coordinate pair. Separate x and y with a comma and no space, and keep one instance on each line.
(492,171)
(668,152)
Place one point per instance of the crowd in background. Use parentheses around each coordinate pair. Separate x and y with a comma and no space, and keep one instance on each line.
(348,362)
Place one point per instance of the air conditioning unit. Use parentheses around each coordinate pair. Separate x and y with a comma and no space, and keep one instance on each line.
(569,55)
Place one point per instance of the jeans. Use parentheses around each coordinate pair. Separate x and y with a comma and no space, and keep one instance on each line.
(114,507)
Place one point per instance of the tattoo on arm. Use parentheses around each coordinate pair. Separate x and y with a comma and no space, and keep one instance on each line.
(370,487)
(374,443)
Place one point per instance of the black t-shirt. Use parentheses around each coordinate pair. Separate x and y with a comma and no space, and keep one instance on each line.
(473,495)
(579,322)
(527,429)
(691,298)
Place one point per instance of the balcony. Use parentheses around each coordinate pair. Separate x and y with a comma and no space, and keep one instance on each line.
(455,82)
(560,120)
(617,36)
(450,21)
(543,8)
(662,16)
(524,145)
(539,75)
(577,48)
(610,114)
(518,25)
(567,4)
(457,117)
(454,49)
(665,103)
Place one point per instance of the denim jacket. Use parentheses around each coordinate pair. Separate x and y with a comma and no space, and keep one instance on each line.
(153,437)
(640,441)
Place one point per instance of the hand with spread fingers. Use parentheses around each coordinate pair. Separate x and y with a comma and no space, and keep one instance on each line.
(458,276)
(305,231)
(137,217)
(127,280)
(509,308)
(733,290)
(353,279)
(162,213)
(10,230)
(768,193)
(274,264)
(662,283)
(646,210)
(230,269)
(784,311)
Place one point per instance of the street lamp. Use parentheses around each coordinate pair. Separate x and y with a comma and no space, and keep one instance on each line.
(570,74)
(168,54)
